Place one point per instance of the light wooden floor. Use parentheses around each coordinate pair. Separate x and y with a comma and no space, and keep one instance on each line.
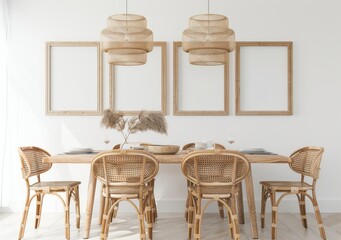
(168,227)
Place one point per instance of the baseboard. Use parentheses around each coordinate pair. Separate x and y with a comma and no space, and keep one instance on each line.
(5,210)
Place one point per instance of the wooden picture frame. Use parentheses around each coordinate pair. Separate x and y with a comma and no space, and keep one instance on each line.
(163,82)
(264,66)
(73,79)
(177,111)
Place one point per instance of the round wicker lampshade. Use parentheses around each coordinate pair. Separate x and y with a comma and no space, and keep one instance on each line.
(127,40)
(133,38)
(126,20)
(205,20)
(127,57)
(206,57)
(208,39)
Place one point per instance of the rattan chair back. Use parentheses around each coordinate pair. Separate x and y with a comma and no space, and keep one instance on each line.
(192,145)
(215,167)
(125,167)
(32,161)
(306,161)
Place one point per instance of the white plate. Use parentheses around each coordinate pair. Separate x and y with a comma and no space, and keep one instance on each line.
(80,150)
(137,147)
(253,149)
(204,148)
(199,148)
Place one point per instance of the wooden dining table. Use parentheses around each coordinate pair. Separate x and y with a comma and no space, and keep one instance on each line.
(169,159)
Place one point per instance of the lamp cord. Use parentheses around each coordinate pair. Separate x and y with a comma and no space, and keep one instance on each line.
(126,9)
(126,30)
(208,19)
(208,7)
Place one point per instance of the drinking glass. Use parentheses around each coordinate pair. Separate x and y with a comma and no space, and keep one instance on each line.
(106,139)
(231,140)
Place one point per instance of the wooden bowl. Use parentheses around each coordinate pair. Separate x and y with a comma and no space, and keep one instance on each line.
(163,149)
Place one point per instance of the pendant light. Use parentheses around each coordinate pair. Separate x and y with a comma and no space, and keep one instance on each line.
(208,40)
(127,40)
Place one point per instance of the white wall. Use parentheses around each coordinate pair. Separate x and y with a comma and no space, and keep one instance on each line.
(312,25)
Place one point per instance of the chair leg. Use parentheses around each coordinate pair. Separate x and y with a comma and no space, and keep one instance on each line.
(24,217)
(187,201)
(149,213)
(114,212)
(240,204)
(264,197)
(234,218)
(101,206)
(318,217)
(141,219)
(67,214)
(221,210)
(187,206)
(153,208)
(39,205)
(197,220)
(274,215)
(301,202)
(77,205)
(230,223)
(153,202)
(190,215)
(105,220)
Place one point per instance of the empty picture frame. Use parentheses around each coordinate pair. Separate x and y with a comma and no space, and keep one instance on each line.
(199,90)
(73,78)
(143,87)
(264,78)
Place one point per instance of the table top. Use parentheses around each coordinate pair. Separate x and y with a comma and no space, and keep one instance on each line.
(162,159)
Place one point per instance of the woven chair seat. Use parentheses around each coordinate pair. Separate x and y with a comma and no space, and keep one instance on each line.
(129,192)
(286,185)
(209,192)
(54,185)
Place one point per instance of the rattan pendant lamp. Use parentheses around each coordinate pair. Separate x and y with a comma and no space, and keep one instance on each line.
(127,40)
(208,40)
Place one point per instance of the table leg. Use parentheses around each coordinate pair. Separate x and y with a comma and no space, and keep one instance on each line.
(89,204)
(251,203)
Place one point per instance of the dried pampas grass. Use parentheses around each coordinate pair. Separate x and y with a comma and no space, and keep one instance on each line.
(113,120)
(143,122)
(152,121)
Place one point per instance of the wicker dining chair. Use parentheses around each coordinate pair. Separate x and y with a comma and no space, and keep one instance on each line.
(32,166)
(214,175)
(305,161)
(189,146)
(125,175)
(151,183)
